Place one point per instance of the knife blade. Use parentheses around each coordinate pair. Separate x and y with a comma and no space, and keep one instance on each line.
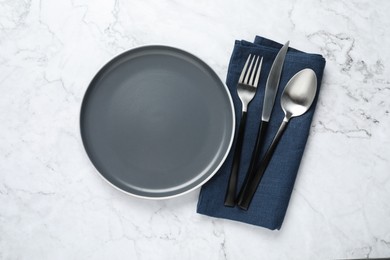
(271,89)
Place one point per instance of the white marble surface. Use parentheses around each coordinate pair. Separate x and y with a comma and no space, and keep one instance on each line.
(54,206)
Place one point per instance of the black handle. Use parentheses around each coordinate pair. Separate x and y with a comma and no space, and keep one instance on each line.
(230,197)
(255,156)
(255,179)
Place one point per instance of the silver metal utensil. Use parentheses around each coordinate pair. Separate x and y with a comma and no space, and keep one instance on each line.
(271,88)
(246,89)
(296,99)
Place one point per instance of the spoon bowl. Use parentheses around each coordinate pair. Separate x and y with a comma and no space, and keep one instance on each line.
(299,93)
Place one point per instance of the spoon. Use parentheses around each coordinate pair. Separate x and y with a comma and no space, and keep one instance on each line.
(297,97)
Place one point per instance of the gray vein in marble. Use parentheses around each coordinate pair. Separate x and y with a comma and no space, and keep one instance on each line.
(336,12)
(46,26)
(387,243)
(349,133)
(62,84)
(13,190)
(219,232)
(7,76)
(290,14)
(310,204)
(23,9)
(368,117)
(335,43)
(115,34)
(365,250)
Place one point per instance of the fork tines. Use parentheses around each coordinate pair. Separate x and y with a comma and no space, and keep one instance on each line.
(247,76)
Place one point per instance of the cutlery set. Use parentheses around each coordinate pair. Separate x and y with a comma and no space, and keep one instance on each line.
(296,99)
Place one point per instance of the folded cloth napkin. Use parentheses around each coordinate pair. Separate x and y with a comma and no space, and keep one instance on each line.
(270,202)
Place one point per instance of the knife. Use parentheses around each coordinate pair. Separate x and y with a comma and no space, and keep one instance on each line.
(271,89)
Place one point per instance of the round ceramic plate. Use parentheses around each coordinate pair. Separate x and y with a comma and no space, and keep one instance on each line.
(157,122)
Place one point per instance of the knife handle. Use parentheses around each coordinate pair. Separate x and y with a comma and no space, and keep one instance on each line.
(255,156)
(255,179)
(230,197)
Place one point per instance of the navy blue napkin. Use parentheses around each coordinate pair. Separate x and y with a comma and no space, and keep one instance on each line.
(269,205)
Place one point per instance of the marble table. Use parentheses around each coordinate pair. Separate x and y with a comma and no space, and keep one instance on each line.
(53,205)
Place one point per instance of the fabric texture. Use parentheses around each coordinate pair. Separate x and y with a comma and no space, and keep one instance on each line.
(269,205)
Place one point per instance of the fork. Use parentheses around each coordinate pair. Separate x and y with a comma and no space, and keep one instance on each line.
(246,89)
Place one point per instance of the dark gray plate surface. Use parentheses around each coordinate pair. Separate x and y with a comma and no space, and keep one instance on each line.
(157,122)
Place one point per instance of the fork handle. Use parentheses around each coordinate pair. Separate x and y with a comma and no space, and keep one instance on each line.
(256,177)
(255,156)
(230,197)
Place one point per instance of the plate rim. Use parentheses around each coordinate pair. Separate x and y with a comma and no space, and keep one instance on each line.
(101,70)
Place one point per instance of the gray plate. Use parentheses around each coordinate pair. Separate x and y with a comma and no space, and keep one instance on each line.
(157,122)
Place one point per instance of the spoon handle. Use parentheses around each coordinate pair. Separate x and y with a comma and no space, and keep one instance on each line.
(255,156)
(230,197)
(255,179)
